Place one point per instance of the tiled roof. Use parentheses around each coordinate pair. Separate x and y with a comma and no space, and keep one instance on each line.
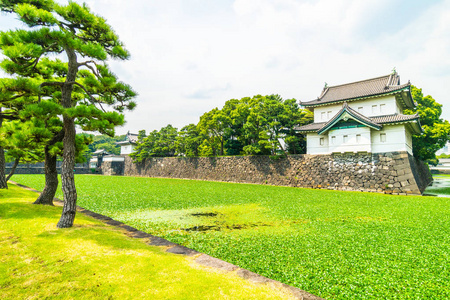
(395,118)
(130,138)
(381,120)
(353,113)
(360,89)
(311,127)
(100,151)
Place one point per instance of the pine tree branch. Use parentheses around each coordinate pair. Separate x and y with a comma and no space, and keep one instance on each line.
(8,117)
(93,100)
(13,169)
(86,64)
(84,89)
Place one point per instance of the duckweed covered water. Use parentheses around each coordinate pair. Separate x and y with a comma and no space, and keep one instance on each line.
(337,245)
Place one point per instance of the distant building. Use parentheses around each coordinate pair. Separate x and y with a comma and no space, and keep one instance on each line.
(362,116)
(97,159)
(127,146)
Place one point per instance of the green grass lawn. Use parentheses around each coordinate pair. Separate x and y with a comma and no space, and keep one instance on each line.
(96,261)
(337,245)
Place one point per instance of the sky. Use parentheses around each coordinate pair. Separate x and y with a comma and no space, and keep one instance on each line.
(190,56)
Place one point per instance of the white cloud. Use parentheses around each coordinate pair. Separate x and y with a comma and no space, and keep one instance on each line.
(191,56)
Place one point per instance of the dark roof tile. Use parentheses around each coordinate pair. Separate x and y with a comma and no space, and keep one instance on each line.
(387,119)
(360,89)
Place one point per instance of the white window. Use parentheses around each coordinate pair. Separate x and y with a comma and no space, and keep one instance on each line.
(345,138)
(322,115)
(333,140)
(322,141)
(360,110)
(383,137)
(374,109)
(382,108)
(329,115)
(358,138)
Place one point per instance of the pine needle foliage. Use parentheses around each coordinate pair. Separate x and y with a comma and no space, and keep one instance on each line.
(61,57)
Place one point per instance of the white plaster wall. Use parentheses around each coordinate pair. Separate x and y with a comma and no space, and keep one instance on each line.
(391,107)
(409,140)
(313,144)
(395,139)
(126,149)
(113,158)
(337,144)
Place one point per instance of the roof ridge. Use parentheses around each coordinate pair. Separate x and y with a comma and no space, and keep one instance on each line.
(358,81)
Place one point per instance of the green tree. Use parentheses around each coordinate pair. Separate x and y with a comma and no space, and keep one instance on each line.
(13,97)
(237,111)
(160,143)
(189,140)
(215,124)
(84,88)
(294,116)
(269,126)
(18,138)
(103,141)
(436,130)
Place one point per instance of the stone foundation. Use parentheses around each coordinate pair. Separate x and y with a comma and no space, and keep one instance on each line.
(391,173)
(39,168)
(113,168)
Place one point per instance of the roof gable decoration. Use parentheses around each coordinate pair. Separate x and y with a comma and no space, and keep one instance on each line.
(348,113)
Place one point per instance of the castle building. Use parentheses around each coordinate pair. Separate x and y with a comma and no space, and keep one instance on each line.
(363,116)
(127,146)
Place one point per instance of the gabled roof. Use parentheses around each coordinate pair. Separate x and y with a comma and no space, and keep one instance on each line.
(130,138)
(347,112)
(100,152)
(379,86)
(380,120)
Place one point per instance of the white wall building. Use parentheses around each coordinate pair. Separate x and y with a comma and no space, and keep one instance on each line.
(363,116)
(127,146)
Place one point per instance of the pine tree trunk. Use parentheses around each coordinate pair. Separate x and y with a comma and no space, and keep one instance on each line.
(3,181)
(3,184)
(13,169)
(51,180)
(51,173)
(67,176)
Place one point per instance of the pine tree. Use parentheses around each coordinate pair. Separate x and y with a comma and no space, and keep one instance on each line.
(85,89)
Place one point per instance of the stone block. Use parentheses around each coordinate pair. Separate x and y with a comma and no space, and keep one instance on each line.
(405,177)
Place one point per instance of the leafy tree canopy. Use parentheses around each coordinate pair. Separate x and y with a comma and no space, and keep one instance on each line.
(436,130)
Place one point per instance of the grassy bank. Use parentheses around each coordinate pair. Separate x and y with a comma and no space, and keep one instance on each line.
(95,261)
(337,245)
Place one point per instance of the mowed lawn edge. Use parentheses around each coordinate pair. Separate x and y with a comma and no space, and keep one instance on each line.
(337,245)
(95,261)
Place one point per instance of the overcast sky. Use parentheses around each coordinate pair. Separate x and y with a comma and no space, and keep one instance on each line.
(189,56)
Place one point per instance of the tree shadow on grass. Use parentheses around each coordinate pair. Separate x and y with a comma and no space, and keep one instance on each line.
(85,228)
(28,210)
(102,235)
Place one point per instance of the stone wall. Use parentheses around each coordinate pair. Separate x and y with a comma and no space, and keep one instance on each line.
(39,168)
(113,168)
(392,173)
